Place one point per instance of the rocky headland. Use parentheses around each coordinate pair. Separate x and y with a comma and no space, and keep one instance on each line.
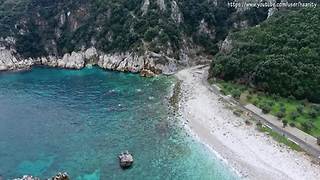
(147,62)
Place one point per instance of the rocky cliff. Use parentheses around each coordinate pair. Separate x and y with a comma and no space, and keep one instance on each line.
(123,35)
(125,62)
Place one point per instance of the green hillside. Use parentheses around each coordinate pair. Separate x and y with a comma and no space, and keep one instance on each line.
(44,27)
(279,56)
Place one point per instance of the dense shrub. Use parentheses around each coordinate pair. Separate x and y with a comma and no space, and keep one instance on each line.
(292,124)
(300,109)
(265,108)
(294,115)
(280,114)
(313,113)
(285,123)
(307,126)
(283,109)
(236,93)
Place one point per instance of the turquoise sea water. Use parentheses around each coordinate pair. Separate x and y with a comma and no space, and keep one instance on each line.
(78,121)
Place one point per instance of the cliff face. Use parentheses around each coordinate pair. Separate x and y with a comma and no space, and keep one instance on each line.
(125,62)
(125,35)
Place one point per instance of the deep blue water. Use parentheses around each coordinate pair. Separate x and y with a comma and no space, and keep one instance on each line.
(78,121)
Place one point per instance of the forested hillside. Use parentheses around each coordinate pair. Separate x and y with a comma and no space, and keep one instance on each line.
(279,56)
(43,27)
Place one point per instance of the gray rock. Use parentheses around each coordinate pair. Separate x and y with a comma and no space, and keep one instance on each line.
(126,159)
(176,14)
(161,5)
(75,61)
(271,11)
(204,29)
(9,62)
(226,46)
(145,7)
(52,61)
(91,54)
(126,62)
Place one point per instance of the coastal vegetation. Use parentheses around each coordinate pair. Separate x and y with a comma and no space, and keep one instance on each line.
(295,113)
(267,104)
(276,67)
(278,137)
(279,56)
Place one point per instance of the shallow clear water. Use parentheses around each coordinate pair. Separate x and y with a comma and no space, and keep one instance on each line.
(78,121)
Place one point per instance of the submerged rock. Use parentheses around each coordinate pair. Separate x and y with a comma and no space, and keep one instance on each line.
(61,176)
(147,73)
(126,159)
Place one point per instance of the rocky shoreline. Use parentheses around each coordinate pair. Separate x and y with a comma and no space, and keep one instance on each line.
(148,63)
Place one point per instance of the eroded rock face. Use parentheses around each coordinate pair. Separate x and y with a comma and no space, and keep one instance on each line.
(226,46)
(176,14)
(9,62)
(204,29)
(125,62)
(241,24)
(91,55)
(51,61)
(161,5)
(73,61)
(131,62)
(271,11)
(145,7)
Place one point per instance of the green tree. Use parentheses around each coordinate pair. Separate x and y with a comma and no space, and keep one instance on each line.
(151,33)
(280,114)
(285,123)
(307,126)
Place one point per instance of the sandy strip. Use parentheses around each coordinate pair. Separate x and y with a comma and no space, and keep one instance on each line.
(253,154)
